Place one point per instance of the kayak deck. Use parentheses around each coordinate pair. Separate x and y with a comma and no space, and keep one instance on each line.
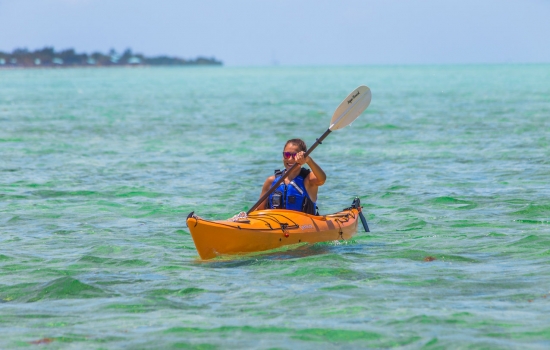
(269,229)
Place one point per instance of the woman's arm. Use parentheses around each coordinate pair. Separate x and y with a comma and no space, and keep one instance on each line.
(317,177)
(265,188)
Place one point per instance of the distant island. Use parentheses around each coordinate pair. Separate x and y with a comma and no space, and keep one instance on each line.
(48,57)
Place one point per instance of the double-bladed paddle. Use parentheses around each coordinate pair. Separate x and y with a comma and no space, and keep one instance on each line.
(345,114)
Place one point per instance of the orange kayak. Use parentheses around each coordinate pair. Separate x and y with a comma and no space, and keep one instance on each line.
(270,229)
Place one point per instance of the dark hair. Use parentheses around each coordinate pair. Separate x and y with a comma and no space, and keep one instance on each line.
(297,142)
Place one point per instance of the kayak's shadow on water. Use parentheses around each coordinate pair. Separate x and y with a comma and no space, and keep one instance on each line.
(303,251)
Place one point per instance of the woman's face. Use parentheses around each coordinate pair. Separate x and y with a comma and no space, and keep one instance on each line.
(290,151)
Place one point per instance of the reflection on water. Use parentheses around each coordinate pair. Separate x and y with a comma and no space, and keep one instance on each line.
(287,252)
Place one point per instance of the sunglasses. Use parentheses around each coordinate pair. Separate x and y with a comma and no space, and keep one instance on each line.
(287,155)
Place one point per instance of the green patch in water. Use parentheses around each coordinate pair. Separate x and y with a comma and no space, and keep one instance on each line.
(177,292)
(12,139)
(78,338)
(534,210)
(421,255)
(453,203)
(5,257)
(397,187)
(496,234)
(417,225)
(111,262)
(345,311)
(542,334)
(107,249)
(227,329)
(322,272)
(339,287)
(334,335)
(189,346)
(357,152)
(61,288)
(470,223)
(336,243)
(133,308)
(63,232)
(55,194)
(15,219)
(11,197)
(535,222)
(146,194)
(109,204)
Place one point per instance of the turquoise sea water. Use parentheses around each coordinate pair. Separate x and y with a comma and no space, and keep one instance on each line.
(100,167)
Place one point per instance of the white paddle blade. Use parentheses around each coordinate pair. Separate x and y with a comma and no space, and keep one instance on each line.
(351,108)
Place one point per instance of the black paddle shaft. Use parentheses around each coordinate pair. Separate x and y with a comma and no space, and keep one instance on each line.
(357,204)
(285,175)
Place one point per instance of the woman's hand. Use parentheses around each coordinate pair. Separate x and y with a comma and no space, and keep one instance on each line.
(301,159)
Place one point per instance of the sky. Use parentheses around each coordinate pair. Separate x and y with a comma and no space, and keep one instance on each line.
(288,32)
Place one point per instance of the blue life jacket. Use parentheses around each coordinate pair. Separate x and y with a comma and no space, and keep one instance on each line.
(293,196)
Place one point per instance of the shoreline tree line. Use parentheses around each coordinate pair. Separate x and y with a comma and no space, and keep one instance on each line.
(48,57)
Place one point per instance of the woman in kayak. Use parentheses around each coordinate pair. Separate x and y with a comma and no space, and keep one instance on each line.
(299,190)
